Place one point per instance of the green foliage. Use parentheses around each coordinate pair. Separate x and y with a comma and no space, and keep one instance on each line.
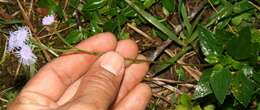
(233,54)
(246,48)
(220,81)
(169,5)
(203,87)
(242,88)
(209,44)
(184,102)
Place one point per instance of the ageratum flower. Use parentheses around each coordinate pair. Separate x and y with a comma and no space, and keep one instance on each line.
(19,45)
(18,38)
(48,20)
(26,55)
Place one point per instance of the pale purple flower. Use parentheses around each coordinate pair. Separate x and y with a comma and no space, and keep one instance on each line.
(18,38)
(19,45)
(25,55)
(48,20)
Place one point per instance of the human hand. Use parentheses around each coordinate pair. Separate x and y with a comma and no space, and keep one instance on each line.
(87,82)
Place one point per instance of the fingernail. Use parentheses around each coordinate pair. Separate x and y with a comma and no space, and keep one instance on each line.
(112,62)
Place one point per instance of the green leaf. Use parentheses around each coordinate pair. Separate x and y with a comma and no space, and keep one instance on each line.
(185,100)
(75,36)
(46,3)
(223,36)
(223,12)
(172,60)
(169,5)
(209,44)
(148,3)
(212,59)
(240,47)
(220,83)
(241,6)
(185,18)
(255,35)
(156,23)
(256,77)
(238,19)
(203,87)
(209,107)
(92,5)
(181,74)
(242,88)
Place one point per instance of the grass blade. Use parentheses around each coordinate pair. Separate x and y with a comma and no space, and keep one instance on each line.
(156,23)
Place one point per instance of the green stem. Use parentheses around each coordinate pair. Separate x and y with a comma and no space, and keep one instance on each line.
(72,47)
(43,47)
(172,60)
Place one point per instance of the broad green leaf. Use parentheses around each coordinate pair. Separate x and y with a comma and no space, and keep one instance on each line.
(203,87)
(156,23)
(169,5)
(223,36)
(75,36)
(242,88)
(220,83)
(92,5)
(209,44)
(240,47)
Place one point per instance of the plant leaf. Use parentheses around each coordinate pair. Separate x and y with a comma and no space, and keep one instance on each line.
(156,23)
(240,47)
(220,83)
(203,88)
(91,5)
(169,5)
(75,36)
(242,88)
(185,18)
(209,44)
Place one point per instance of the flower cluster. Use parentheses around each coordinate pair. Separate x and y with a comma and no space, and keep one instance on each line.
(48,20)
(18,44)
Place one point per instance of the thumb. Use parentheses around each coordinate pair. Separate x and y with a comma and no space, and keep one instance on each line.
(100,85)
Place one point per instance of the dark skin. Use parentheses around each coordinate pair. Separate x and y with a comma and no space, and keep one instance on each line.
(87,82)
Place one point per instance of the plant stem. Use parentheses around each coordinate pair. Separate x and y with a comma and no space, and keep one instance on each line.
(172,60)
(4,53)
